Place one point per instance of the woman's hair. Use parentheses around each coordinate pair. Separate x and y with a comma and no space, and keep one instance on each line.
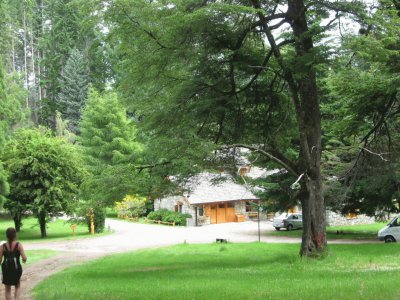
(11,234)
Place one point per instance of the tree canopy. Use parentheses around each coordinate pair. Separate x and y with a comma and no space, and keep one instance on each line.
(44,175)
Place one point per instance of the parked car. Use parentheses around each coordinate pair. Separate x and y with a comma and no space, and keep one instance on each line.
(391,232)
(289,221)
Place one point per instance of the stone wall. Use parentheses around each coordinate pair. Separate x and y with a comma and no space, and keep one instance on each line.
(335,219)
(170,202)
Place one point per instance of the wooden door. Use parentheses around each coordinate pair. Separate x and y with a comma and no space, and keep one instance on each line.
(221,213)
(230,212)
(211,211)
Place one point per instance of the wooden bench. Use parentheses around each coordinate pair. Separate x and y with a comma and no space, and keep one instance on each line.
(221,241)
(160,222)
(252,214)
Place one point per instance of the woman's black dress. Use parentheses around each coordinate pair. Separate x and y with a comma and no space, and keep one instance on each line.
(11,266)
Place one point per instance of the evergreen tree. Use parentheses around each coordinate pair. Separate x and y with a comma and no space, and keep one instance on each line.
(362,116)
(56,43)
(236,74)
(4,187)
(74,89)
(110,149)
(44,175)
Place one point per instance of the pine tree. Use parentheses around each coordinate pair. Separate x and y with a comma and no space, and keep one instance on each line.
(110,149)
(4,188)
(74,89)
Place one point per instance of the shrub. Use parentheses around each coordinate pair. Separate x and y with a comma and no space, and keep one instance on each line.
(169,216)
(132,206)
(99,219)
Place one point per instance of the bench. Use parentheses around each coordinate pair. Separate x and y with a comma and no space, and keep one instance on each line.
(221,241)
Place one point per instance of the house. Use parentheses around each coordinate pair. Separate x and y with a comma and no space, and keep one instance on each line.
(212,199)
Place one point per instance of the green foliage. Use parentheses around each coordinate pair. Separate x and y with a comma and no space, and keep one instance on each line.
(169,216)
(59,40)
(99,219)
(110,150)
(132,206)
(362,136)
(194,84)
(44,173)
(12,99)
(73,89)
(4,186)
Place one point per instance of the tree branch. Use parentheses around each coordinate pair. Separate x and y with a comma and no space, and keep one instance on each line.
(149,33)
(265,153)
(141,168)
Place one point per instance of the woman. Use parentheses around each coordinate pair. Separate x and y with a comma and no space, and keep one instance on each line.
(11,265)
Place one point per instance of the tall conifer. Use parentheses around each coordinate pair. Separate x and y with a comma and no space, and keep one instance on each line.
(74,89)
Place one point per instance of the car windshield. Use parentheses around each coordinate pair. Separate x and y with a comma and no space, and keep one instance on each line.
(283,216)
(395,221)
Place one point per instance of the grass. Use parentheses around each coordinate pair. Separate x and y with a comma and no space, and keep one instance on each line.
(358,232)
(56,230)
(233,271)
(36,255)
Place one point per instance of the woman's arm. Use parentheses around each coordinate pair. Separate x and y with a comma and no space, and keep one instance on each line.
(22,252)
(1,252)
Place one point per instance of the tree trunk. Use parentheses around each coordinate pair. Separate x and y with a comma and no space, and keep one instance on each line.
(17,217)
(42,223)
(301,80)
(26,76)
(309,122)
(34,107)
(13,48)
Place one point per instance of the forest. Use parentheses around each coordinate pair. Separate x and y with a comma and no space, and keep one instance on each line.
(104,99)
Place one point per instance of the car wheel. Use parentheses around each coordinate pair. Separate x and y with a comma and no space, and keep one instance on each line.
(290,227)
(389,239)
(277,228)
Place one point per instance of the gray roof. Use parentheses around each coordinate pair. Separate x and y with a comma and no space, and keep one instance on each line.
(209,188)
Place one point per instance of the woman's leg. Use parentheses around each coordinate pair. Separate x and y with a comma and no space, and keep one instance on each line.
(17,291)
(8,292)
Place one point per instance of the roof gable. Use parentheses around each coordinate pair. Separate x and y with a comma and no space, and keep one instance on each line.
(209,188)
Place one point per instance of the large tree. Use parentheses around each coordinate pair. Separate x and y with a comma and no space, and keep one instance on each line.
(74,84)
(44,175)
(362,115)
(11,114)
(108,139)
(209,70)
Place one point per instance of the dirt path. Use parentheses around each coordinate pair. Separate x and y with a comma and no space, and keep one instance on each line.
(36,272)
(132,236)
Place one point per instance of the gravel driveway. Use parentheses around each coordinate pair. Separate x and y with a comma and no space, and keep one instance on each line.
(131,236)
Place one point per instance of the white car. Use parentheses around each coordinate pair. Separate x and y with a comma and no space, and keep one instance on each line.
(391,232)
(289,221)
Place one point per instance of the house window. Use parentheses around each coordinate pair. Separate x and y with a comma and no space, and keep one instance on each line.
(178,208)
(201,211)
(250,207)
(221,205)
(231,204)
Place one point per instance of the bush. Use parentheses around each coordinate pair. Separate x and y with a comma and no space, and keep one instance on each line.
(99,220)
(132,206)
(165,215)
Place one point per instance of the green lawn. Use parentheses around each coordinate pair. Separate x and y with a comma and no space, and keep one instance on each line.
(36,255)
(233,271)
(360,232)
(30,230)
